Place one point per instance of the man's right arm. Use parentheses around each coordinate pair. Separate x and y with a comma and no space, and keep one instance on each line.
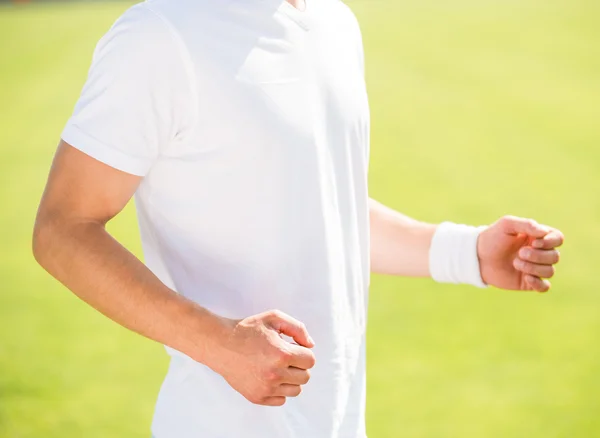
(70,241)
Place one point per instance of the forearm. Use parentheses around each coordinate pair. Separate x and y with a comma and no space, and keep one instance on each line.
(399,244)
(100,271)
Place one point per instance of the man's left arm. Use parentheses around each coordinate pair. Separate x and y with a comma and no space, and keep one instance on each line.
(513,253)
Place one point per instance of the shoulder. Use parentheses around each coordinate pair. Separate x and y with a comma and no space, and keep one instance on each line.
(346,21)
(140,34)
(347,13)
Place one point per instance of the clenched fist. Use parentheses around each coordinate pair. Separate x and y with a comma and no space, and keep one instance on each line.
(518,254)
(262,366)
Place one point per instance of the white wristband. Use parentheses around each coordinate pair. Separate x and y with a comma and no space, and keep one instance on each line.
(453,254)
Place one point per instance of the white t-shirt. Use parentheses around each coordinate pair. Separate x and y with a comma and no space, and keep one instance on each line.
(249,121)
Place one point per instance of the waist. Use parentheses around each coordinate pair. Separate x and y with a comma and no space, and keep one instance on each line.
(196,402)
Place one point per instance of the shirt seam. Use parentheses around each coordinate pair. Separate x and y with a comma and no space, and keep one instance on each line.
(104,152)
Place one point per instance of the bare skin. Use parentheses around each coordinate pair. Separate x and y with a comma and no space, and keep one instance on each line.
(298,4)
(71,242)
(514,253)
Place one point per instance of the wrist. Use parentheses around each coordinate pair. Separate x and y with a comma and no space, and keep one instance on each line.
(207,337)
(453,255)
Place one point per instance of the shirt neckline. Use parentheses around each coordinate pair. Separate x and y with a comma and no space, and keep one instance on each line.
(302,18)
(300,11)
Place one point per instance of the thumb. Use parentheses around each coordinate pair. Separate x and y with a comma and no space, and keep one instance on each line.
(517,225)
(291,327)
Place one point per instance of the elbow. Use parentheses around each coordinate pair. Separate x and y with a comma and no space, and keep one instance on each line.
(41,240)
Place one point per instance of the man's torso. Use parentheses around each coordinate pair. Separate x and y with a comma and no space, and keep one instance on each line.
(262,204)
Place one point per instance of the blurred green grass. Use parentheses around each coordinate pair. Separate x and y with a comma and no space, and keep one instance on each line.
(479,108)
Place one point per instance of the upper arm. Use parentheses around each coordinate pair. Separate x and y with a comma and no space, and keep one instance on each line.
(137,98)
(135,103)
(81,188)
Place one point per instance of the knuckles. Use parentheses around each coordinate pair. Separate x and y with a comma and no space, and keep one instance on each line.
(275,314)
(283,358)
(259,395)
(276,358)
(266,399)
(272,375)
(267,390)
(506,219)
(509,219)
(255,399)
(279,401)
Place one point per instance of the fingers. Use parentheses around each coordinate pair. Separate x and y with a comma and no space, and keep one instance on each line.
(287,390)
(278,383)
(542,271)
(539,256)
(269,368)
(515,225)
(301,357)
(291,327)
(551,240)
(537,264)
(546,237)
(537,283)
(284,384)
(273,401)
(295,376)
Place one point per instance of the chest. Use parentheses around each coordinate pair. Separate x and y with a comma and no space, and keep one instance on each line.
(273,71)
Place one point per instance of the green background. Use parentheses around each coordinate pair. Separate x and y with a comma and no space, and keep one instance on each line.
(480,108)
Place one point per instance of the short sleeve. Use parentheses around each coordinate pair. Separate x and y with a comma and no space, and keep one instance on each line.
(137,97)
